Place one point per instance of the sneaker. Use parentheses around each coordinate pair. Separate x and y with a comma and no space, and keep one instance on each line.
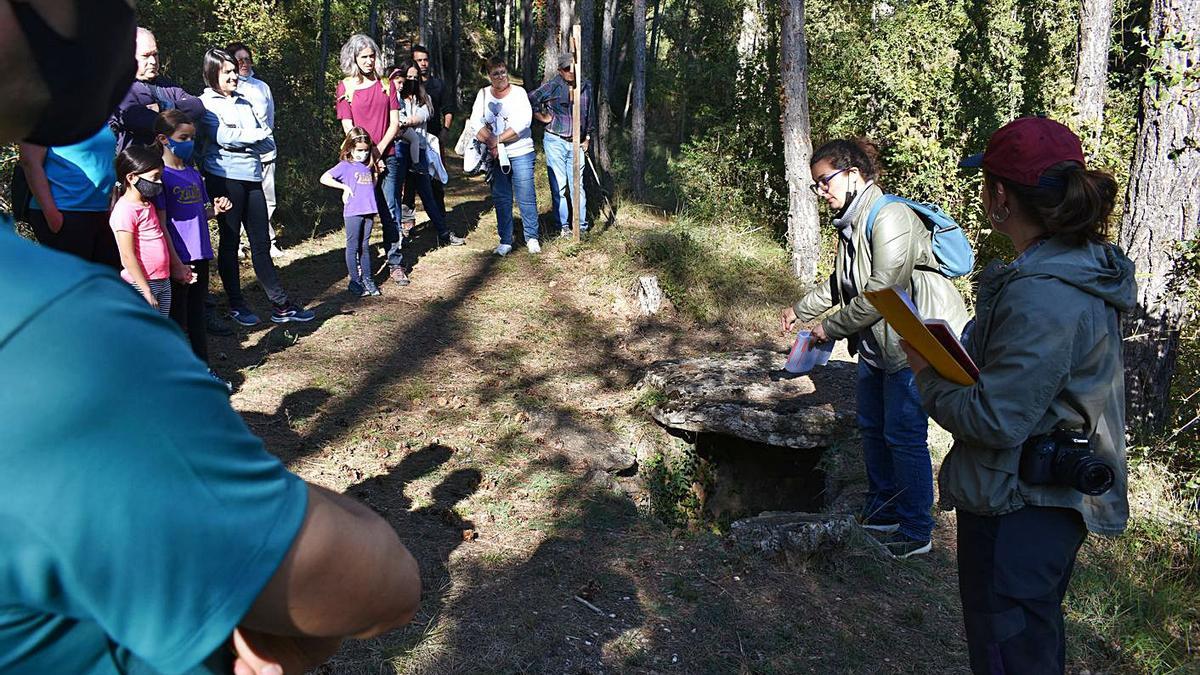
(503,249)
(243,316)
(398,276)
(901,546)
(292,312)
(242,252)
(451,240)
(224,382)
(877,525)
(214,326)
(533,246)
(371,290)
(566,233)
(275,251)
(354,288)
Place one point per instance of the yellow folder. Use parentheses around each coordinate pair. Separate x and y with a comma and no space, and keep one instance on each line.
(897,310)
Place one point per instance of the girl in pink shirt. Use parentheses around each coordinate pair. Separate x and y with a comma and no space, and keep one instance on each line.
(148,259)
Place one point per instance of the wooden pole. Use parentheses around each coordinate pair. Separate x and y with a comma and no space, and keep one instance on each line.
(576,106)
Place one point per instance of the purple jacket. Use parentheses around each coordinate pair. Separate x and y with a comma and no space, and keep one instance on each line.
(133,122)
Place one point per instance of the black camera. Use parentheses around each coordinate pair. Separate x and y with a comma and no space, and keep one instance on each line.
(1065,458)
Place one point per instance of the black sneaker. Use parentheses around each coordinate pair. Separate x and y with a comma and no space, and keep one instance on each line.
(354,288)
(291,312)
(451,240)
(878,525)
(901,546)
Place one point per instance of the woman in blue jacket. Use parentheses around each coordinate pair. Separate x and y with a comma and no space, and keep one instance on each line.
(235,141)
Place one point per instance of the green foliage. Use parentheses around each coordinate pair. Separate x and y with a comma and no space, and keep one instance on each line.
(672,480)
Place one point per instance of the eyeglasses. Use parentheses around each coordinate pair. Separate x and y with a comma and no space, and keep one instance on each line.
(822,184)
(499,76)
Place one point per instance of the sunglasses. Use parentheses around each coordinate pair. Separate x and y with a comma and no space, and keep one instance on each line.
(822,184)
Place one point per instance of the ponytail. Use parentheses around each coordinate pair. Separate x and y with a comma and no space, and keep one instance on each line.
(858,153)
(1072,201)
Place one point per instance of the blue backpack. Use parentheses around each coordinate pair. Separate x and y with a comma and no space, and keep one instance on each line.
(950,246)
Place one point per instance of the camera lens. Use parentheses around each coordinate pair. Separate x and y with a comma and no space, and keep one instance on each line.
(1088,474)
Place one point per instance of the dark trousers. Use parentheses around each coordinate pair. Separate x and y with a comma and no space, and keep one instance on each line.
(187,309)
(410,192)
(85,234)
(1013,572)
(358,249)
(249,211)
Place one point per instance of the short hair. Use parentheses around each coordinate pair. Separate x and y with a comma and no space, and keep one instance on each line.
(418,48)
(495,62)
(143,31)
(213,60)
(350,50)
(234,47)
(169,121)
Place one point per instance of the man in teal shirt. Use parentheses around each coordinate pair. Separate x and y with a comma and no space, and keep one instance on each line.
(143,528)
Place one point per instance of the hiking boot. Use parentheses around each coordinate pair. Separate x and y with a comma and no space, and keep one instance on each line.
(902,546)
(566,233)
(214,326)
(451,240)
(243,316)
(398,276)
(534,246)
(292,312)
(503,249)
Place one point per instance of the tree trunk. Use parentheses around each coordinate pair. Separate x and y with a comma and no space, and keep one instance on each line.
(423,20)
(323,64)
(498,25)
(654,32)
(373,20)
(637,152)
(1091,69)
(510,27)
(803,225)
(1162,207)
(587,23)
(750,37)
(455,79)
(606,82)
(528,63)
(550,49)
(685,45)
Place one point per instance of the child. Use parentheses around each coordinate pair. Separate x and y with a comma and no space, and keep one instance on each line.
(148,261)
(183,213)
(355,175)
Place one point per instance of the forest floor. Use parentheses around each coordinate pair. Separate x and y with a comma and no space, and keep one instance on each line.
(466,409)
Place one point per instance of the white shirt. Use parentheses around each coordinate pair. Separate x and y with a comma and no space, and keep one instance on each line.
(259,94)
(501,114)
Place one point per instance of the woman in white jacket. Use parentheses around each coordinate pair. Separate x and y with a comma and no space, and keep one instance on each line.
(502,117)
(412,149)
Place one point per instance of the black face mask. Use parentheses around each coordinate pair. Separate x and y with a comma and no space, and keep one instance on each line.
(410,88)
(148,188)
(87,76)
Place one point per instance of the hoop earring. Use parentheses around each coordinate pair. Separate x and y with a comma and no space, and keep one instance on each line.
(996,218)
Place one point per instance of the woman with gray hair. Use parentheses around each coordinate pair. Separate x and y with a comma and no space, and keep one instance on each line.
(367,99)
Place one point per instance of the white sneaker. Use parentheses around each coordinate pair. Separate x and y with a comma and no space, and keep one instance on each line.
(275,251)
(242,252)
(533,246)
(503,249)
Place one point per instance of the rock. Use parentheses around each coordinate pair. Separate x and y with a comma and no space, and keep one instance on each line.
(776,532)
(748,395)
(581,441)
(649,295)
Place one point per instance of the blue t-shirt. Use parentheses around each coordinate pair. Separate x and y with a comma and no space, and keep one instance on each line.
(82,175)
(139,518)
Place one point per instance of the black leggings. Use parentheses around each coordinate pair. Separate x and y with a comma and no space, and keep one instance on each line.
(249,211)
(187,309)
(83,233)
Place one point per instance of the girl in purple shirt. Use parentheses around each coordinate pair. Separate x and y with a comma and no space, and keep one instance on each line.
(355,175)
(184,209)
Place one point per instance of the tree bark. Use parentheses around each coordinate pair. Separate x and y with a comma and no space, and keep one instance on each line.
(373,21)
(654,32)
(455,79)
(637,152)
(550,49)
(1091,69)
(1162,207)
(685,45)
(528,63)
(498,26)
(605,90)
(323,64)
(587,25)
(423,20)
(803,223)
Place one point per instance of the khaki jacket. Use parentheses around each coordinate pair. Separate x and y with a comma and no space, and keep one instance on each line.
(1047,340)
(899,253)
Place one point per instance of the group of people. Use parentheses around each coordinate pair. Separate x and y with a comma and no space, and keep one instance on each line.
(113,512)
(1038,458)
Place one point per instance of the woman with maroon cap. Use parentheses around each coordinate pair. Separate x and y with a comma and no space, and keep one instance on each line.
(1039,440)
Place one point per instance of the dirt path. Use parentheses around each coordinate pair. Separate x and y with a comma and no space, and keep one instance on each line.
(445,406)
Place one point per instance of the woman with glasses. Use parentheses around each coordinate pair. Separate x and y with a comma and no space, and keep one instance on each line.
(896,252)
(502,115)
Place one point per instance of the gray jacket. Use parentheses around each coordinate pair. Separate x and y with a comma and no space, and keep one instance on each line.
(898,253)
(1047,340)
(235,139)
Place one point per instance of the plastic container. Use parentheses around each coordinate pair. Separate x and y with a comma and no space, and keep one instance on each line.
(807,353)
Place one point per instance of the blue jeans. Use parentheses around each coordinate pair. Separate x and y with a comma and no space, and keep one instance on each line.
(419,175)
(561,168)
(519,181)
(894,433)
(389,217)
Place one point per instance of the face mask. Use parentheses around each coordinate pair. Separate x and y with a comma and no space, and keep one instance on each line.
(148,188)
(102,67)
(410,88)
(359,155)
(182,149)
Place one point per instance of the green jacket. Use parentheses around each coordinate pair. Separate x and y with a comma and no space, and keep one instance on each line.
(1047,340)
(899,253)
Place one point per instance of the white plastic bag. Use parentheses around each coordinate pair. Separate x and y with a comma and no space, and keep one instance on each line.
(807,353)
